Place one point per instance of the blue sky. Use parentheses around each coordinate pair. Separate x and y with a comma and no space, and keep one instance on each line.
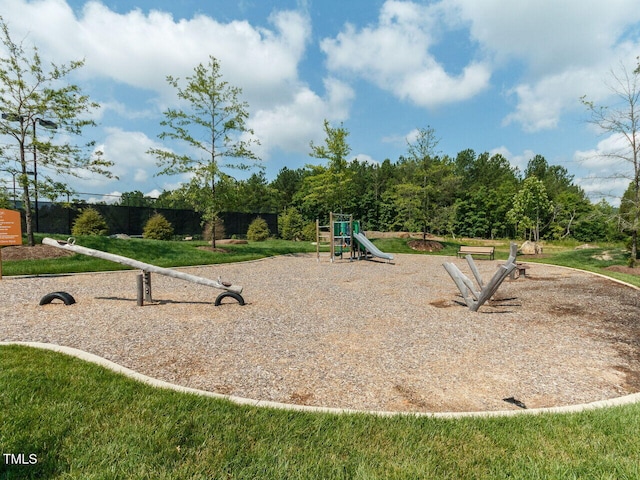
(495,76)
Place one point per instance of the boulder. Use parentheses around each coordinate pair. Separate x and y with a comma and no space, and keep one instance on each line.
(530,248)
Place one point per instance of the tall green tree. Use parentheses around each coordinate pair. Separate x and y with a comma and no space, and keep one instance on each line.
(327,186)
(286,185)
(255,195)
(35,101)
(487,186)
(531,207)
(621,119)
(136,199)
(212,128)
(427,187)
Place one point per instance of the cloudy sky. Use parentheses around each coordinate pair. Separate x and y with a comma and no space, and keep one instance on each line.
(494,75)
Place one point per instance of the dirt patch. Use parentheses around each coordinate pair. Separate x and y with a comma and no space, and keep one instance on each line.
(441,303)
(301,398)
(37,252)
(425,245)
(623,269)
(231,241)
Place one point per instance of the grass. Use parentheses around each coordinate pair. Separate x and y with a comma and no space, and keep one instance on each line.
(160,253)
(82,421)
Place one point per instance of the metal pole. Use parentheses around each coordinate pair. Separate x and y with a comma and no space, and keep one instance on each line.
(15,205)
(35,175)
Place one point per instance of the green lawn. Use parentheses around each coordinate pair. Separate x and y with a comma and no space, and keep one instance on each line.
(155,252)
(84,422)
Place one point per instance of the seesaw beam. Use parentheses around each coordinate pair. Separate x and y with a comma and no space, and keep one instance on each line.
(145,267)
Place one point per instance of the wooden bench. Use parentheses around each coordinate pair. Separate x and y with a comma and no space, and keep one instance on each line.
(466,250)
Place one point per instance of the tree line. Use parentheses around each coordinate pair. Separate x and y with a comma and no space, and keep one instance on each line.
(469,195)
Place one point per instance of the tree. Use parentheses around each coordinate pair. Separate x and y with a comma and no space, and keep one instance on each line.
(136,199)
(32,96)
(327,186)
(428,185)
(254,195)
(212,127)
(488,184)
(286,185)
(173,199)
(622,120)
(530,207)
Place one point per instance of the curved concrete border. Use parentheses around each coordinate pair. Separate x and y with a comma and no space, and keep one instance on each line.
(103,362)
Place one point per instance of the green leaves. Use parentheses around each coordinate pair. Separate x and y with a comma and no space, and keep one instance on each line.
(531,207)
(36,103)
(211,127)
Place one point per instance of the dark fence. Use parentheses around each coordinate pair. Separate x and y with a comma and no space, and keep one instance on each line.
(56,218)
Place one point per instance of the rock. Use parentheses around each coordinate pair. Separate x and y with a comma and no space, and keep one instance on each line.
(530,248)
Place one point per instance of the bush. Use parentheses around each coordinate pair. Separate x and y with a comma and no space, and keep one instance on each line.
(89,222)
(258,230)
(310,232)
(158,228)
(207,234)
(291,224)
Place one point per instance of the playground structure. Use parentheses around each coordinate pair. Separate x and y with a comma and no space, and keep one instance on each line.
(474,297)
(144,280)
(343,235)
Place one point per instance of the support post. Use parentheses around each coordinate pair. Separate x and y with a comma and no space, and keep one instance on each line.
(332,239)
(147,286)
(140,290)
(318,240)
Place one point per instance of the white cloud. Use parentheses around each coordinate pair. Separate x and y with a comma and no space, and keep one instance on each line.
(597,188)
(141,49)
(364,158)
(546,34)
(611,155)
(132,165)
(155,193)
(109,198)
(609,169)
(563,47)
(540,105)
(394,55)
(291,126)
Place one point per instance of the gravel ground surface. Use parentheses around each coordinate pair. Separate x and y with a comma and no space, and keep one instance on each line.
(362,335)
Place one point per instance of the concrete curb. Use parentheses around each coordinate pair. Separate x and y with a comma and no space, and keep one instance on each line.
(103,362)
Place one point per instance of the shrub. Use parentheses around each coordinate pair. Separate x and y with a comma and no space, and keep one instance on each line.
(309,232)
(207,234)
(90,222)
(258,230)
(291,224)
(158,228)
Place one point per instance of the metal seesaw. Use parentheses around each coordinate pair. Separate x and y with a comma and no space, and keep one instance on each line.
(144,280)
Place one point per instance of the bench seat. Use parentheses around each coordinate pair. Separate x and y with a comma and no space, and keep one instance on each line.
(467,250)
